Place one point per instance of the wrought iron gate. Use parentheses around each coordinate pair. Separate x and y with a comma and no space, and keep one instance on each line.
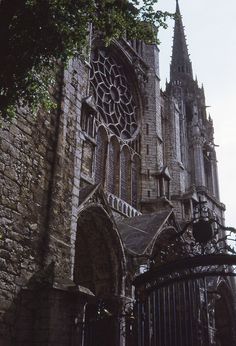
(177,298)
(176,304)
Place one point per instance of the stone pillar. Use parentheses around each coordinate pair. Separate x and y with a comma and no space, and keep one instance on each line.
(198,162)
(215,181)
(151,145)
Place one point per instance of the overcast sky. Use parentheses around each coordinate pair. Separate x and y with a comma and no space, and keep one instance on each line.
(210,28)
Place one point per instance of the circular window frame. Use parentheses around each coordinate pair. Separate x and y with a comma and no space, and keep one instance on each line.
(107,92)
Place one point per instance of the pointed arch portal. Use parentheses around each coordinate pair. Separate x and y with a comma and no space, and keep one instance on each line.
(99,266)
(98,255)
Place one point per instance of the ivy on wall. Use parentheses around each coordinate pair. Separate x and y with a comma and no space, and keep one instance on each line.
(36,34)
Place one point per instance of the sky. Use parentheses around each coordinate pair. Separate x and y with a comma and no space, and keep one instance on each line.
(210,29)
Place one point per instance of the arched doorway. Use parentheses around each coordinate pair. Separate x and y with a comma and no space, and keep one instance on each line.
(99,266)
(224,316)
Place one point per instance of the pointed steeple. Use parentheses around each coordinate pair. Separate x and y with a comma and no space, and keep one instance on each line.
(181,66)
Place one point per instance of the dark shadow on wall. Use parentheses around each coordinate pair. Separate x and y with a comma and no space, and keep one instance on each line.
(225,315)
(45,313)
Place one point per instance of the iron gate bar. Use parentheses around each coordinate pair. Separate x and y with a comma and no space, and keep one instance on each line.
(149,287)
(169,311)
(207,315)
(191,302)
(188,263)
(174,314)
(159,319)
(179,312)
(182,326)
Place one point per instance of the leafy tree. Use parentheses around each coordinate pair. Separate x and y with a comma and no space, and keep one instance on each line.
(36,34)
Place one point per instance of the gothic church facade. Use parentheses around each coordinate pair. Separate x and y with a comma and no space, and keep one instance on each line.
(88,190)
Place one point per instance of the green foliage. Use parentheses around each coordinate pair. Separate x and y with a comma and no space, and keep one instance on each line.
(36,34)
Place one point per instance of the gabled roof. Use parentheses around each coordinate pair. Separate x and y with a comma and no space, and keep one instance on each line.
(92,195)
(139,233)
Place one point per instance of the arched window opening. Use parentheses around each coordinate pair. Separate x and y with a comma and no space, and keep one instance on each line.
(163,183)
(166,187)
(136,144)
(187,209)
(87,158)
(125,174)
(208,169)
(135,180)
(101,155)
(87,121)
(113,167)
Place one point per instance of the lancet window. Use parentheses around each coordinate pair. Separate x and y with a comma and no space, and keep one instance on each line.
(88,120)
(125,174)
(113,127)
(136,164)
(87,123)
(100,157)
(113,172)
(208,169)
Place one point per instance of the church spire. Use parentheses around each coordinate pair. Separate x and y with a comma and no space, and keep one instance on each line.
(177,7)
(181,65)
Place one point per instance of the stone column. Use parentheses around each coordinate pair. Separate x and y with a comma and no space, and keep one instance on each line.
(215,181)
(198,162)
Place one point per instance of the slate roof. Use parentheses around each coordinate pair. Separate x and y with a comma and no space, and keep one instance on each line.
(139,233)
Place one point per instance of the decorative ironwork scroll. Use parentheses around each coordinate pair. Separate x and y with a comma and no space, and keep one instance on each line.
(202,236)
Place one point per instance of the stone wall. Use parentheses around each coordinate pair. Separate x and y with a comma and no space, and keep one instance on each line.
(49,316)
(151,148)
(39,184)
(66,179)
(27,157)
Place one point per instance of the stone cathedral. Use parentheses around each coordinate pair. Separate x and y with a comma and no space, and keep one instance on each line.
(101,202)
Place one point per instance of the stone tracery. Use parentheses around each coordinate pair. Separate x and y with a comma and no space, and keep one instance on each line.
(112,95)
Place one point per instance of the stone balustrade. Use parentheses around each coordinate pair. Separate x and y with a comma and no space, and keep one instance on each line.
(121,206)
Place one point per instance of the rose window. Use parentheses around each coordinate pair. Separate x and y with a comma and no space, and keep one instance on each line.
(113,99)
